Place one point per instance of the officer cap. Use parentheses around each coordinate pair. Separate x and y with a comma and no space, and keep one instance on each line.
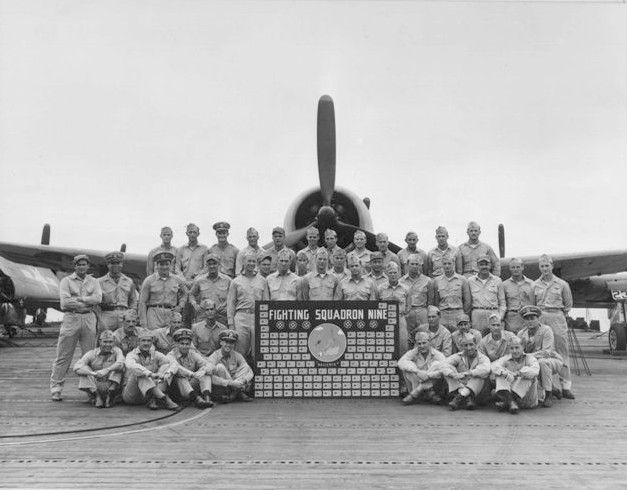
(164,257)
(114,257)
(277,230)
(463,318)
(376,256)
(212,256)
(484,258)
(107,335)
(182,333)
(81,257)
(228,335)
(221,226)
(529,310)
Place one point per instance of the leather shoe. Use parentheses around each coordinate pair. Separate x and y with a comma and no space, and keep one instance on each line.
(513,407)
(470,404)
(568,395)
(56,396)
(457,402)
(168,404)
(152,404)
(548,399)
(408,400)
(99,403)
(244,397)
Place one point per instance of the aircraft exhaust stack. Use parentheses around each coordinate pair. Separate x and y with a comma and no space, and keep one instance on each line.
(501,241)
(45,235)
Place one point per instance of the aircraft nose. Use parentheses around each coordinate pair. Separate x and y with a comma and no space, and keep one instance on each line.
(326,216)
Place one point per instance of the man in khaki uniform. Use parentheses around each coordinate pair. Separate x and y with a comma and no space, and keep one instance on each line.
(163,338)
(118,294)
(330,241)
(470,251)
(435,255)
(231,375)
(127,336)
(226,252)
(463,329)
(518,293)
(211,285)
(382,242)
(313,237)
(190,258)
(100,371)
(205,334)
(321,284)
(302,263)
(338,261)
(79,293)
(360,251)
(284,285)
(451,294)
(393,290)
(496,344)
(278,242)
(252,236)
(411,239)
(439,336)
(421,367)
(377,268)
(487,294)
(357,287)
(161,294)
(420,291)
(166,246)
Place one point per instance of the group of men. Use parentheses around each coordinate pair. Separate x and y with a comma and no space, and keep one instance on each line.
(212,290)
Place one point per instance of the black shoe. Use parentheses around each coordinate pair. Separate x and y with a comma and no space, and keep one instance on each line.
(548,399)
(56,396)
(557,394)
(568,395)
(152,404)
(244,397)
(168,404)
(513,408)
(201,403)
(470,404)
(409,400)
(99,403)
(457,402)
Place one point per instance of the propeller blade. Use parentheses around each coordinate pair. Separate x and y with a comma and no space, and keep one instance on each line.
(326,148)
(501,241)
(123,248)
(348,230)
(293,238)
(45,235)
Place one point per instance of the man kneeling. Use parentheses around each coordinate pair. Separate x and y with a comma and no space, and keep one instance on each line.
(149,374)
(421,367)
(100,371)
(465,373)
(516,379)
(231,375)
(191,381)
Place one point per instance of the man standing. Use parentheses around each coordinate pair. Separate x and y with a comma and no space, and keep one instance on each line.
(100,371)
(212,285)
(360,251)
(166,246)
(231,375)
(516,379)
(377,266)
(439,337)
(435,255)
(148,375)
(190,258)
(411,239)
(79,293)
(265,265)
(205,334)
(463,328)
(278,239)
(421,367)
(357,288)
(161,294)
(420,294)
(469,252)
(452,294)
(284,285)
(330,241)
(382,242)
(555,299)
(302,263)
(226,252)
(465,373)
(118,294)
(321,284)
(244,291)
(393,290)
(487,294)
(191,380)
(252,236)
(518,293)
(313,237)
(338,261)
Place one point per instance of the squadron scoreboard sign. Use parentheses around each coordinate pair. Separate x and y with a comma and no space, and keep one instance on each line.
(326,349)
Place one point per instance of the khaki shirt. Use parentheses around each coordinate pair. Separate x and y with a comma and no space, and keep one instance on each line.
(207,338)
(553,294)
(157,290)
(478,366)
(228,256)
(360,290)
(320,287)
(364,258)
(487,294)
(440,339)
(495,349)
(542,340)
(188,364)
(311,256)
(434,259)
(163,340)
(243,293)
(234,363)
(341,276)
(457,335)
(403,257)
(387,292)
(377,280)
(127,342)
(284,287)
(414,361)
(526,367)
(390,256)
(190,261)
(452,292)
(73,287)
(518,294)
(95,360)
(216,290)
(239,260)
(466,261)
(420,290)
(151,267)
(140,365)
(275,258)
(121,293)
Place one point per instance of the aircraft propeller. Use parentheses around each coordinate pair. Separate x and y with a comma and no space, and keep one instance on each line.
(45,235)
(501,241)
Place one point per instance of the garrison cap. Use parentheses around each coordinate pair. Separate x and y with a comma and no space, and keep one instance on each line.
(284,253)
(339,252)
(114,257)
(164,257)
(529,310)
(81,257)
(278,230)
(330,232)
(221,225)
(182,333)
(376,256)
(266,255)
(144,333)
(353,260)
(207,304)
(322,252)
(382,236)
(433,309)
(463,318)
(468,337)
(107,335)
(212,256)
(228,336)
(484,258)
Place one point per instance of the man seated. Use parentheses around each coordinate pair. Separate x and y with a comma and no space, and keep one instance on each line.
(463,328)
(163,337)
(231,375)
(100,371)
(421,367)
(516,379)
(205,334)
(149,373)
(537,339)
(191,380)
(465,373)
(439,336)
(127,336)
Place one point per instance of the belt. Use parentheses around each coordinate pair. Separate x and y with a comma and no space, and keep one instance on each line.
(112,307)
(450,309)
(489,309)
(414,307)
(245,310)
(551,309)
(513,311)
(167,307)
(78,312)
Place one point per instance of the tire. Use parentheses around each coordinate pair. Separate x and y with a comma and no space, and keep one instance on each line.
(617,338)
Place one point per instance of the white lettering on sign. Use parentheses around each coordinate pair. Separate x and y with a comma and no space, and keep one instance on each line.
(339,315)
(377,314)
(289,314)
(619,295)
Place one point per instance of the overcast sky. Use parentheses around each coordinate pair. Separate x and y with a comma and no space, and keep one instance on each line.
(119,117)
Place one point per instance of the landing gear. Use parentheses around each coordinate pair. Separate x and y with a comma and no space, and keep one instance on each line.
(617,338)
